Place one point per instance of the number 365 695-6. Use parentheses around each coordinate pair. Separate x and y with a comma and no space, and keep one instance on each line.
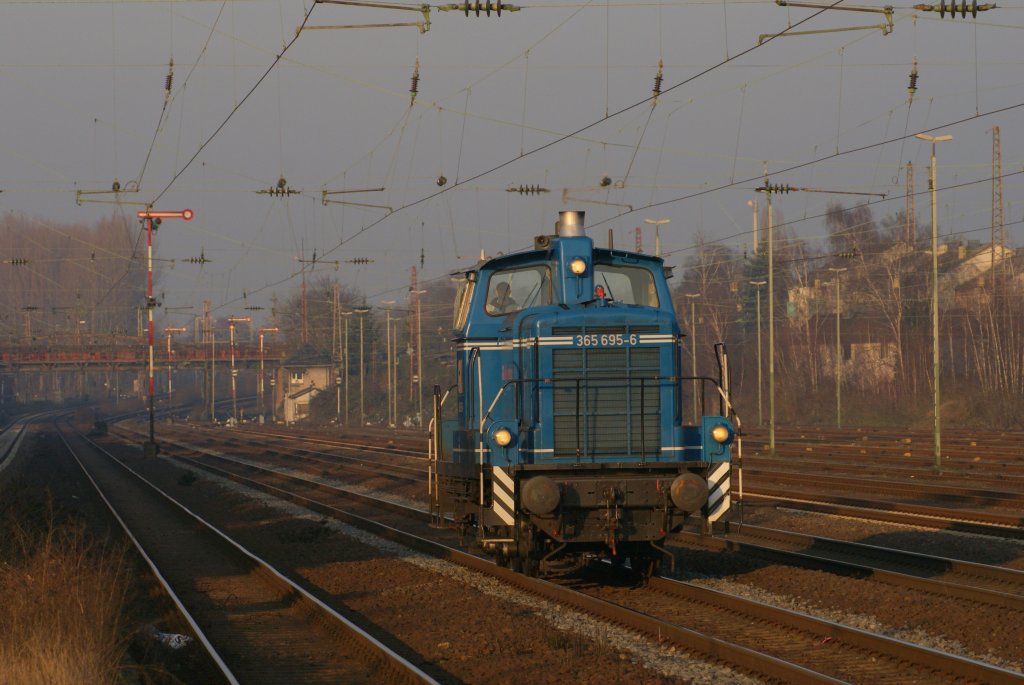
(606,340)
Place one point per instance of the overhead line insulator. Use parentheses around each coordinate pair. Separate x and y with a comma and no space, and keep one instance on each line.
(360,260)
(169,80)
(282,189)
(476,7)
(775,188)
(527,189)
(414,86)
(953,8)
(656,92)
(912,88)
(17,261)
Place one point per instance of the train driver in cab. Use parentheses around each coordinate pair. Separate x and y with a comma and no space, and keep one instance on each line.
(501,301)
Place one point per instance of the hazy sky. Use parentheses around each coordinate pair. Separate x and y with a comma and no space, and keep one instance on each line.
(83,92)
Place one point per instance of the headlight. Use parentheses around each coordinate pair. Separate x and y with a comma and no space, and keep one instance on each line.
(720,434)
(503,436)
(578,266)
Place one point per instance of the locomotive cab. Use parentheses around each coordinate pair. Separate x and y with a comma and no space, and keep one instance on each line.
(566,436)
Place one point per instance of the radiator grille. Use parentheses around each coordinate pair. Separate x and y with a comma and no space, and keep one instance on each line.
(606,399)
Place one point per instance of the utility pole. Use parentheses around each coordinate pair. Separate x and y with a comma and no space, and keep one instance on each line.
(935,140)
(148,216)
(361,311)
(390,364)
(262,374)
(753,205)
(168,331)
(213,377)
(768,189)
(419,358)
(839,351)
(911,208)
(232,320)
(998,224)
(758,284)
(692,297)
(347,315)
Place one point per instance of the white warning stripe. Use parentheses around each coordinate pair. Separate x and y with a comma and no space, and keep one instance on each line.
(502,489)
(506,480)
(718,513)
(556,340)
(505,498)
(717,472)
(719,487)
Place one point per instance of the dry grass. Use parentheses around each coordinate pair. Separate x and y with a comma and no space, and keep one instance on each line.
(62,605)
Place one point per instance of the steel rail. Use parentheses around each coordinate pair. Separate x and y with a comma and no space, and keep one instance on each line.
(878,485)
(866,567)
(395,667)
(214,655)
(973,522)
(709,645)
(314,457)
(958,667)
(855,464)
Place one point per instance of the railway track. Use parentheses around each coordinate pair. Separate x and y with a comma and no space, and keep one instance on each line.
(984,584)
(800,639)
(938,518)
(10,438)
(813,497)
(258,626)
(961,448)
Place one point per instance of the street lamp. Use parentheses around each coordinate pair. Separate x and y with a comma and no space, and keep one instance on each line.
(839,352)
(753,205)
(657,223)
(758,284)
(693,350)
(168,331)
(262,375)
(935,297)
(232,320)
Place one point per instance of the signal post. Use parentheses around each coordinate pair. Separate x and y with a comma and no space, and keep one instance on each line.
(148,216)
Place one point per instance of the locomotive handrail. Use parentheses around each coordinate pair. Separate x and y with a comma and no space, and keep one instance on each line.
(434,444)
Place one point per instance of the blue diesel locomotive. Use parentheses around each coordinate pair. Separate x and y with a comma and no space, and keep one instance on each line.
(567,437)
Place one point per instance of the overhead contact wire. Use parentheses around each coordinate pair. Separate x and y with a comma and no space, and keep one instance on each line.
(277,59)
(458,182)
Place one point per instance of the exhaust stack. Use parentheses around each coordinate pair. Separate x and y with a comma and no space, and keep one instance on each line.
(570,224)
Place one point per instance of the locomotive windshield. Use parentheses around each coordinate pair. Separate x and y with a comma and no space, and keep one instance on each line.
(626,284)
(511,290)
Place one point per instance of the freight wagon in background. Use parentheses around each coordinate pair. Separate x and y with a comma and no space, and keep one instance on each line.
(564,433)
